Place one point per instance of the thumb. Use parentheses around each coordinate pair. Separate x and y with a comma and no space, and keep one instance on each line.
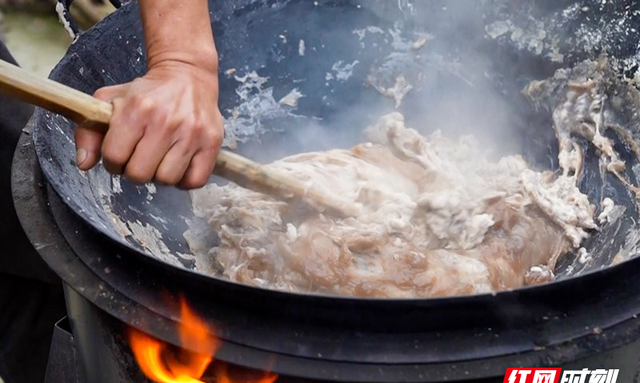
(89,141)
(109,93)
(88,144)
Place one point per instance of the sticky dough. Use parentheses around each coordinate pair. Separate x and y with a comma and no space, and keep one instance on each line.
(439,219)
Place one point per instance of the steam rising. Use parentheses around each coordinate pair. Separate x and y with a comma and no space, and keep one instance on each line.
(455,67)
(433,72)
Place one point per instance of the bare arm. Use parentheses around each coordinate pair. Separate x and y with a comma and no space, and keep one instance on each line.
(178,31)
(166,126)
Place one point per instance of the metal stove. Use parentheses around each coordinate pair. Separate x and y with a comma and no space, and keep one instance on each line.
(90,345)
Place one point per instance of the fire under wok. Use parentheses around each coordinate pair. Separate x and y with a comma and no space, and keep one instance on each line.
(490,68)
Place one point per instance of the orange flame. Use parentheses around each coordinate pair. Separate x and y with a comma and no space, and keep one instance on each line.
(160,363)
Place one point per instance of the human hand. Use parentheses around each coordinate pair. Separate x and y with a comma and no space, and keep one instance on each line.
(166,127)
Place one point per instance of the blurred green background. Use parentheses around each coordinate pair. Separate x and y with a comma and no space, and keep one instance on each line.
(34,35)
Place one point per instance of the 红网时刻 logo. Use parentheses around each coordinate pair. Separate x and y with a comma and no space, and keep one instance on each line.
(557,375)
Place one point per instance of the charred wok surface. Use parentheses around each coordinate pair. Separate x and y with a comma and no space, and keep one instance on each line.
(595,112)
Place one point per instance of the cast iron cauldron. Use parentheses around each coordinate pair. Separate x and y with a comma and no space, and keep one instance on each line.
(466,78)
(264,36)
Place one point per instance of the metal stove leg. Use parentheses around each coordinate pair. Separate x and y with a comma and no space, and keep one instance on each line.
(62,365)
(103,354)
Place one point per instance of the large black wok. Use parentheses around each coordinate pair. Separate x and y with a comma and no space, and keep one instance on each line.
(483,53)
(467,78)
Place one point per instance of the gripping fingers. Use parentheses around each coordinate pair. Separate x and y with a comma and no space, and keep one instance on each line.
(147,156)
(199,170)
(175,163)
(125,131)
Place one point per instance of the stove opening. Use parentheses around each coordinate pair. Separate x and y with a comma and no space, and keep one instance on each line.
(165,363)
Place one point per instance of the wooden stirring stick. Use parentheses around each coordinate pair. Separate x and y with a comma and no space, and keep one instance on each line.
(85,109)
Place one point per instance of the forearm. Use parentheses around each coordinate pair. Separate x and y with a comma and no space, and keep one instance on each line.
(178,31)
(166,126)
